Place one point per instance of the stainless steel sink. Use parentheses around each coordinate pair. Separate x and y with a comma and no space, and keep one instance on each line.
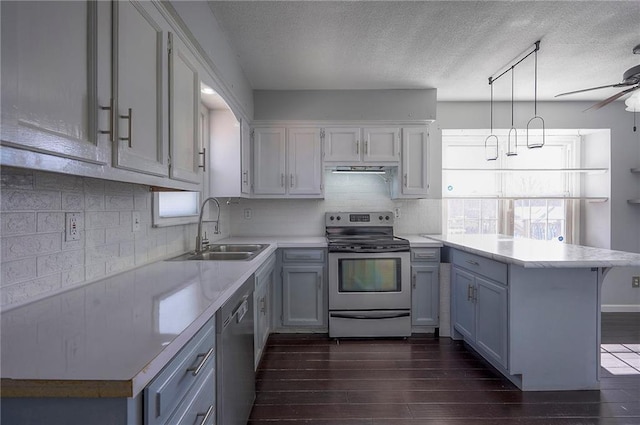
(224,252)
(236,248)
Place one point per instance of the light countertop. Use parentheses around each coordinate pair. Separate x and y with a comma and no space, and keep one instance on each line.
(110,338)
(530,253)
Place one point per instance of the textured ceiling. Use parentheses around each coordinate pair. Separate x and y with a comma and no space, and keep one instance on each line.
(453,46)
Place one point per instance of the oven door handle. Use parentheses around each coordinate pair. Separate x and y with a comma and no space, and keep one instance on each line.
(374,316)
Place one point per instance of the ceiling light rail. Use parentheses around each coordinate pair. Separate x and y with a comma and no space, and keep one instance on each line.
(512,147)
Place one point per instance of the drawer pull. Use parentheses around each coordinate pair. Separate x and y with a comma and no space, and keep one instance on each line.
(206,415)
(473,263)
(195,370)
(425,255)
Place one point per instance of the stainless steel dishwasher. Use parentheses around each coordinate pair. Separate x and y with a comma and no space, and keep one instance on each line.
(236,376)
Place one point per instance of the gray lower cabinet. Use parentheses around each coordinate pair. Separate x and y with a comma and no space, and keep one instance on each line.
(479,305)
(425,287)
(304,301)
(181,391)
(262,307)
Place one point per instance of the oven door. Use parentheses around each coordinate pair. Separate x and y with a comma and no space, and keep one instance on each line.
(371,281)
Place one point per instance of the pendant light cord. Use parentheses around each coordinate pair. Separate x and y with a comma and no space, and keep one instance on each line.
(512,96)
(535,86)
(491,109)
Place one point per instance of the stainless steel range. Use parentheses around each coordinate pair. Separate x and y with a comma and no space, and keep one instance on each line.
(369,276)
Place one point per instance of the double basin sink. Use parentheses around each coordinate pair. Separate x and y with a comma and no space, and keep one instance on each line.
(224,252)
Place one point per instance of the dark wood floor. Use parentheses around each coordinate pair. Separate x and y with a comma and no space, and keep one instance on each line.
(312,380)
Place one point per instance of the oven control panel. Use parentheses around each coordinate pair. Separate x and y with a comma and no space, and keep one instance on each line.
(350,219)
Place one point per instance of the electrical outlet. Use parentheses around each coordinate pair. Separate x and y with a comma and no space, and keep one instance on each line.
(635,282)
(248,214)
(72,226)
(396,212)
(136,221)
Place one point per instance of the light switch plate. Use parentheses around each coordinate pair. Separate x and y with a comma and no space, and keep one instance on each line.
(635,282)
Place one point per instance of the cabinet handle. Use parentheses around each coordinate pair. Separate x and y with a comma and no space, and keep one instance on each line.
(195,370)
(204,160)
(319,282)
(405,180)
(110,109)
(357,147)
(414,281)
(282,180)
(291,181)
(473,263)
(245,177)
(366,147)
(263,305)
(475,295)
(206,415)
(129,118)
(469,292)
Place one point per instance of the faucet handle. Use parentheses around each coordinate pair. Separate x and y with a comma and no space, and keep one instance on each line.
(205,242)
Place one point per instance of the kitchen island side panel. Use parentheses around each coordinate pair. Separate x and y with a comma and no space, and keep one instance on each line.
(554,319)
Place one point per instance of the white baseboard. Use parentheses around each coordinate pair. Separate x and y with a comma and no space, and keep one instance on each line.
(620,308)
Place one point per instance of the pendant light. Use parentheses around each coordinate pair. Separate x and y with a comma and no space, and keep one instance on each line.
(492,138)
(513,133)
(535,118)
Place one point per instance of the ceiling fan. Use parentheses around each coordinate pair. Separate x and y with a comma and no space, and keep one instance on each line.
(631,79)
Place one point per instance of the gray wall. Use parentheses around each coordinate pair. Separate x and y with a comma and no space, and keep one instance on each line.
(625,154)
(345,105)
(205,29)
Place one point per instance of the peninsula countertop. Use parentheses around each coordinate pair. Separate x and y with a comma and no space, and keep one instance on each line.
(106,338)
(531,253)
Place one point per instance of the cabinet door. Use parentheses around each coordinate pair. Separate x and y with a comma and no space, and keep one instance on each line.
(303,295)
(186,160)
(56,77)
(415,146)
(342,144)
(425,295)
(140,64)
(260,325)
(304,162)
(463,308)
(269,146)
(381,145)
(491,319)
(245,157)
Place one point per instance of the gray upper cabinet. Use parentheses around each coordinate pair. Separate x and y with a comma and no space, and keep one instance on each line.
(269,158)
(414,165)
(56,78)
(354,145)
(187,156)
(140,45)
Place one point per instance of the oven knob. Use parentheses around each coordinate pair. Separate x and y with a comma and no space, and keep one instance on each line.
(332,218)
(387,218)
(338,218)
(380,218)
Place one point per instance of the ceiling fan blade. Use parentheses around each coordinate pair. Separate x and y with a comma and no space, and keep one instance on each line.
(612,98)
(592,88)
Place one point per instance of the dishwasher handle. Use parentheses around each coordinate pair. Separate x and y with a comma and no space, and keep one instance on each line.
(242,310)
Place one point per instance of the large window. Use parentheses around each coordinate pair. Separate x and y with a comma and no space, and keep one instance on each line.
(532,195)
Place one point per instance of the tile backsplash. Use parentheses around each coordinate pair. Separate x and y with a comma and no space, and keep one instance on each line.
(36,260)
(343,192)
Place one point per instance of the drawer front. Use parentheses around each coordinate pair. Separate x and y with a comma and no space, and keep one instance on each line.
(198,407)
(483,266)
(425,254)
(303,255)
(167,390)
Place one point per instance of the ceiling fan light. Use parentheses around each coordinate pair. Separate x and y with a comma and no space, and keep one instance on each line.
(633,102)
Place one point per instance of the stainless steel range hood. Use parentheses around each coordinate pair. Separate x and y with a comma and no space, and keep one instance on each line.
(360,169)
